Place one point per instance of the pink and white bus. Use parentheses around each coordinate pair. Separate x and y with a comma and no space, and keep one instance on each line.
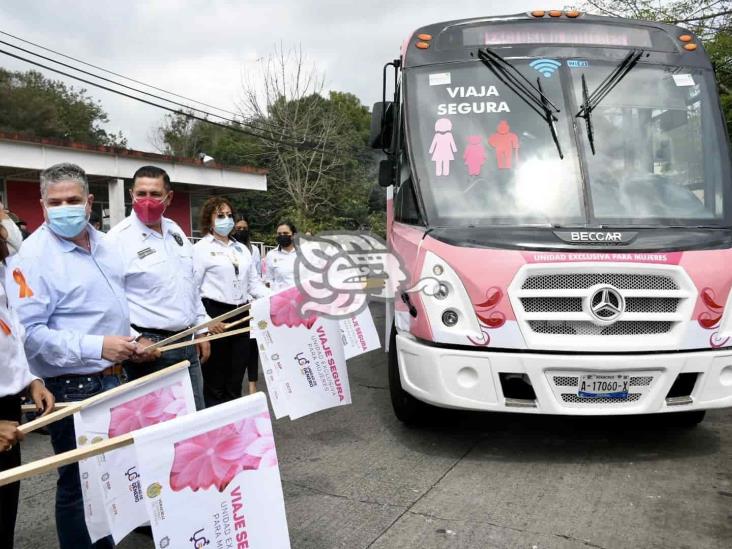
(566,179)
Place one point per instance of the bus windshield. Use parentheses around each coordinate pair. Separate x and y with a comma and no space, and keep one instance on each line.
(482,157)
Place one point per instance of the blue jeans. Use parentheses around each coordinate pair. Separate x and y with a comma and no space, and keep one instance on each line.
(190,353)
(70,525)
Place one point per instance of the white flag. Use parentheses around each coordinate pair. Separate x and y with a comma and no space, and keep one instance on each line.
(358,334)
(91,490)
(303,359)
(211,478)
(117,472)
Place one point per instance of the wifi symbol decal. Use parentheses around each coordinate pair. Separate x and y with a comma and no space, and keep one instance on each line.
(546,67)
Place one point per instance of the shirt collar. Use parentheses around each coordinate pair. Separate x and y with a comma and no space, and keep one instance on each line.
(212,239)
(146,231)
(67,245)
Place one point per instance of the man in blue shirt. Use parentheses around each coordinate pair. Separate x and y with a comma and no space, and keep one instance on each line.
(67,288)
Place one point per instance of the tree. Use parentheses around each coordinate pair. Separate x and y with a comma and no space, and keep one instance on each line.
(35,105)
(710,20)
(315,147)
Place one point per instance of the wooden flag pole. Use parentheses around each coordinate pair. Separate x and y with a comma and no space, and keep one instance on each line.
(72,456)
(32,407)
(191,331)
(202,339)
(236,322)
(73,407)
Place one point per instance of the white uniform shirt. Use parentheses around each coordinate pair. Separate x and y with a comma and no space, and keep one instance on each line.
(225,272)
(15,373)
(159,282)
(280,269)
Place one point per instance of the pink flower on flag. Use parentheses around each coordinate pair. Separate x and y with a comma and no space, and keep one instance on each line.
(284,309)
(149,409)
(214,458)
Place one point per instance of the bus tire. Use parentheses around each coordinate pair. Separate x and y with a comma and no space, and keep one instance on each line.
(688,419)
(407,409)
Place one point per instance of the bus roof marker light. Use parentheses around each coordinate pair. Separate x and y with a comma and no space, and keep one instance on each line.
(555,13)
(690,47)
(686,38)
(422,45)
(573,13)
(425,37)
(538,13)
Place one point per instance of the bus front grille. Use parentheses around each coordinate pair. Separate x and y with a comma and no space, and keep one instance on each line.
(556,304)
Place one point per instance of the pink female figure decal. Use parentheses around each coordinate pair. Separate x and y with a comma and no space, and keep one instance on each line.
(505,142)
(443,146)
(474,155)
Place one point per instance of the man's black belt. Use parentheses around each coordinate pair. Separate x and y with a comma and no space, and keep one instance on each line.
(155,331)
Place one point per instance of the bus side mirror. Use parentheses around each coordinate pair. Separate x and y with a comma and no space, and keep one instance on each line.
(382,125)
(386,173)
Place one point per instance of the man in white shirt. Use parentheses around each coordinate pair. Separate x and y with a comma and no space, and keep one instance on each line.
(158,276)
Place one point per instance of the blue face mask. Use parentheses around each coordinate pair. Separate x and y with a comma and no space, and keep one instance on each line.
(67,221)
(224,226)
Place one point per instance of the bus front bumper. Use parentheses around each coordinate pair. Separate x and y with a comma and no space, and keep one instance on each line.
(466,379)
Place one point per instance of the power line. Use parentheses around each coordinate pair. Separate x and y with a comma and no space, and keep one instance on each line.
(115,73)
(305,146)
(136,89)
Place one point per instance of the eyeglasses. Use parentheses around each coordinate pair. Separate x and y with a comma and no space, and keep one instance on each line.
(224,215)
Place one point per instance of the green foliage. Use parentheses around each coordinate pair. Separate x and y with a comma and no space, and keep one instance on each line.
(32,104)
(710,20)
(341,194)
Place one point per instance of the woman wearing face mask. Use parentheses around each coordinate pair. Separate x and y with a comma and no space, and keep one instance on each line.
(15,378)
(280,262)
(227,277)
(242,235)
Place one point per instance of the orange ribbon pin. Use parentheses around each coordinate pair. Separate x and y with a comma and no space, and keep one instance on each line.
(5,328)
(25,290)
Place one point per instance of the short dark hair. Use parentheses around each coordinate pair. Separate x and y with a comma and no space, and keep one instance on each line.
(290,224)
(153,172)
(210,207)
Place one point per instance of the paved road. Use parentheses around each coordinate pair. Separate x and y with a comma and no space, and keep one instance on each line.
(354,477)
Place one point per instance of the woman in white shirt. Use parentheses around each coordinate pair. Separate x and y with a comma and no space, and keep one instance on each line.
(280,262)
(242,234)
(227,277)
(15,378)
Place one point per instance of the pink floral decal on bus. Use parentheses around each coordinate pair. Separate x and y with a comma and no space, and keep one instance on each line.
(214,458)
(709,319)
(284,309)
(150,409)
(490,319)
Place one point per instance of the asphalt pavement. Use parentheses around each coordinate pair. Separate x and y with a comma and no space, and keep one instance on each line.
(355,477)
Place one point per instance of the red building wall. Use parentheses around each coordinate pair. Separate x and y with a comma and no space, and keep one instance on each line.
(180,210)
(23,201)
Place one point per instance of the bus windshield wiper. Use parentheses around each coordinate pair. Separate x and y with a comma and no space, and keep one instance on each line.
(532,95)
(591,101)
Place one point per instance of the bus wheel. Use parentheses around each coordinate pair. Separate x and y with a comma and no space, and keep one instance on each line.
(407,409)
(687,419)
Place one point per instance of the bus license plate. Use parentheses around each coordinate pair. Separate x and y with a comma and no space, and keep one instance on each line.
(603,386)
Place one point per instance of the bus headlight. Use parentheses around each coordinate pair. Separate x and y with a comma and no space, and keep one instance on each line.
(450,318)
(446,302)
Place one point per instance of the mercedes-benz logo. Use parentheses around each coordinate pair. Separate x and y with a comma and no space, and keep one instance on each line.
(606,304)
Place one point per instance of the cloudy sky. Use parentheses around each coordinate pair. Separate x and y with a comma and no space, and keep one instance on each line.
(203,48)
